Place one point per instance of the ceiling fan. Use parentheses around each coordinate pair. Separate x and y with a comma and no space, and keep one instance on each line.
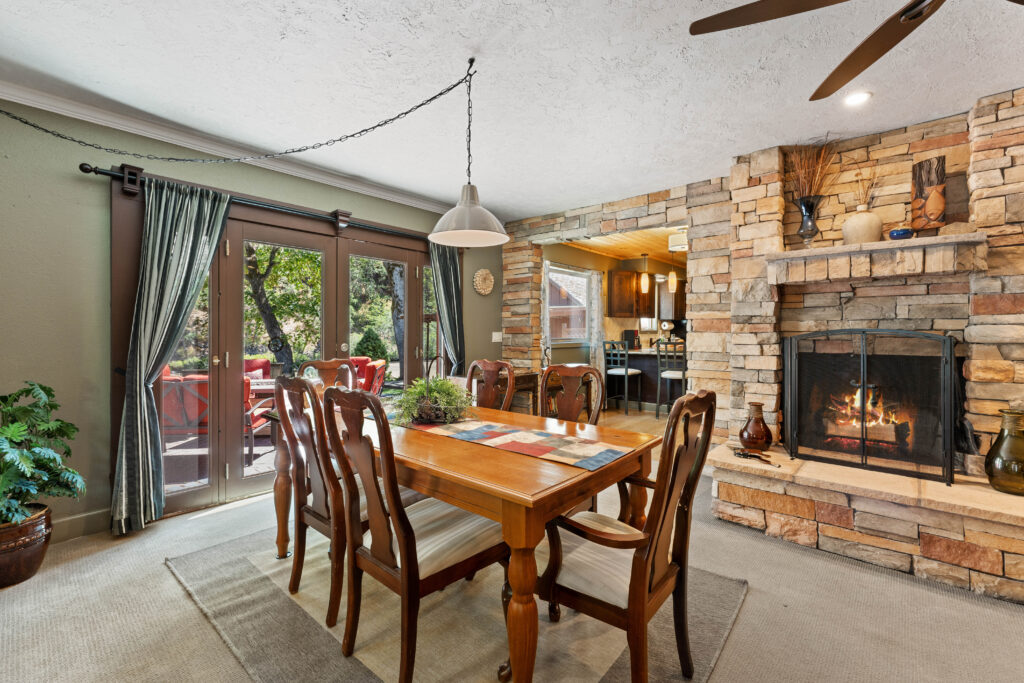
(886,37)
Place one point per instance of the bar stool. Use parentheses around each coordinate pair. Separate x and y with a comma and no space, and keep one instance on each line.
(671,366)
(616,364)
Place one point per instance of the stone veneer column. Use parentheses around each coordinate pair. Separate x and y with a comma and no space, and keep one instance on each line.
(709,205)
(756,347)
(521,273)
(995,331)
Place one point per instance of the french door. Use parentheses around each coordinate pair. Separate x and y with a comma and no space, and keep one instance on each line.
(276,297)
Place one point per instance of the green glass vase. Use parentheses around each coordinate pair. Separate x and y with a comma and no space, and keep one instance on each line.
(1004,463)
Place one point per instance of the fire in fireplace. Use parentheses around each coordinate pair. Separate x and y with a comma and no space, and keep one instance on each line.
(877,399)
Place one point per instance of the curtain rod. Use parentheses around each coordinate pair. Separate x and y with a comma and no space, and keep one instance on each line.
(242,201)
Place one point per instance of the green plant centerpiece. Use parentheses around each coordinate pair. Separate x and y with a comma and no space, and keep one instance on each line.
(33,445)
(432,401)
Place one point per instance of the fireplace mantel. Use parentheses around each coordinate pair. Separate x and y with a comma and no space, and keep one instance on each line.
(941,255)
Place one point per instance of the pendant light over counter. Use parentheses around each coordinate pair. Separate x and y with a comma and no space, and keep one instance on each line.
(677,242)
(468,224)
(645,278)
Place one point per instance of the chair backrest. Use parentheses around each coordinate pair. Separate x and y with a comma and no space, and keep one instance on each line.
(671,355)
(360,362)
(356,459)
(683,451)
(616,355)
(489,387)
(570,400)
(333,372)
(373,381)
(296,402)
(261,364)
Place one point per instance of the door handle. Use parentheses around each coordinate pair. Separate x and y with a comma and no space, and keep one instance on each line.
(344,347)
(215,360)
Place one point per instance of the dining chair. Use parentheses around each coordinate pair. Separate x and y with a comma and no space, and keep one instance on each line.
(569,400)
(336,371)
(621,575)
(414,550)
(671,366)
(302,424)
(616,364)
(488,389)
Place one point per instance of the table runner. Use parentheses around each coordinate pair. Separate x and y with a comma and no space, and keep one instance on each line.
(570,450)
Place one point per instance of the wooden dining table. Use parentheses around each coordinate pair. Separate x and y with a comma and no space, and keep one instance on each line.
(521,492)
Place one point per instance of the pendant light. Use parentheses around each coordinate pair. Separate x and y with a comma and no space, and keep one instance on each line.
(468,224)
(645,279)
(673,280)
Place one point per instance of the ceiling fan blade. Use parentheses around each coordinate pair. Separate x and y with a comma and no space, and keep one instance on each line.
(756,12)
(886,37)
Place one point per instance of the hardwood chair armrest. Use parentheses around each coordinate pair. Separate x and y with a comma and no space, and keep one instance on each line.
(609,540)
(639,481)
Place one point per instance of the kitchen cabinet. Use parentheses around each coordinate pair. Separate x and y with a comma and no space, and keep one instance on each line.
(645,302)
(672,306)
(622,294)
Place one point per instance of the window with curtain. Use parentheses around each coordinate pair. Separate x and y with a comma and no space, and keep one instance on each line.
(567,295)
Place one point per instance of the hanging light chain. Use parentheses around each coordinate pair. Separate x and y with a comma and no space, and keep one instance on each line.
(469,121)
(467,79)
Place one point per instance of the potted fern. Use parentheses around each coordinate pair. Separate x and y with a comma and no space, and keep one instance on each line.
(33,445)
(432,401)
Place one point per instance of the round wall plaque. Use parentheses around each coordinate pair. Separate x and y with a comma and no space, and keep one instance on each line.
(483,282)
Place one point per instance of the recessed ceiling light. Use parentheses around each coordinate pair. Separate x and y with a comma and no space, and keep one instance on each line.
(855,99)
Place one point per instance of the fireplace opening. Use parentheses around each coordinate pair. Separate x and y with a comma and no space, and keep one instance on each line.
(876,399)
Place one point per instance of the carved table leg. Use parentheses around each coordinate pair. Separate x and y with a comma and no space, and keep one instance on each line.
(522,533)
(282,492)
(638,495)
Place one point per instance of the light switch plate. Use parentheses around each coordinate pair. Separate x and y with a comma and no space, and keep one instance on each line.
(495,336)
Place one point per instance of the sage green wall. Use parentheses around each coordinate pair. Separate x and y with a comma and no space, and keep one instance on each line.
(55,270)
(481,314)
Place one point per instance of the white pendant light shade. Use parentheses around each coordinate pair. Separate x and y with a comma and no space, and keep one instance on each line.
(673,281)
(468,224)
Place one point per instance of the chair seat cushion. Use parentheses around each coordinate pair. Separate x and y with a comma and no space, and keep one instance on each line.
(446,535)
(590,568)
(672,374)
(623,371)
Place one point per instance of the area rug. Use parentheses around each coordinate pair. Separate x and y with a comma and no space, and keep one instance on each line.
(243,590)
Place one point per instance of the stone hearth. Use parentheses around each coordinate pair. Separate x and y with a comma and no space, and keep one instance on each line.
(966,535)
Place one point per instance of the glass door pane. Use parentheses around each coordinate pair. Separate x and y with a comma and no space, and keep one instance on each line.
(183,397)
(377,331)
(282,327)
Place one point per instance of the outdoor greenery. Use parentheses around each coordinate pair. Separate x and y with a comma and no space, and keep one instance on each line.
(370,344)
(32,446)
(432,400)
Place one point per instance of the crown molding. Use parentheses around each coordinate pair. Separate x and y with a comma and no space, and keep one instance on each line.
(207,144)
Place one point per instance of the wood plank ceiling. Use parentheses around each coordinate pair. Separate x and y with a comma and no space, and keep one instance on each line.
(630,245)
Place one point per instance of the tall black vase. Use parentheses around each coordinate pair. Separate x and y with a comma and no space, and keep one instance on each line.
(808,209)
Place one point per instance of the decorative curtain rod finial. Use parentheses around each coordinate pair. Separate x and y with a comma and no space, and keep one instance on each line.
(86,168)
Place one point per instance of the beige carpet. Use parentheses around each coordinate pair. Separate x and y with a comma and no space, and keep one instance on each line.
(104,609)
(461,635)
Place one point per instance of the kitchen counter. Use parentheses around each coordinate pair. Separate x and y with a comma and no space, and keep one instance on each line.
(646,361)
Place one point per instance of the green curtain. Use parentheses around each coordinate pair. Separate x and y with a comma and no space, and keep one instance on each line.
(183,226)
(448,288)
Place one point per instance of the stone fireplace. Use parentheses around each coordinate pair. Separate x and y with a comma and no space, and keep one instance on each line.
(751,284)
(881,399)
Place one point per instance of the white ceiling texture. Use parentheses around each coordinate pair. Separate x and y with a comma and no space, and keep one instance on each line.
(576,101)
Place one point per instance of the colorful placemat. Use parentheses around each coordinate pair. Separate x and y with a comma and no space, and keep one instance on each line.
(571,450)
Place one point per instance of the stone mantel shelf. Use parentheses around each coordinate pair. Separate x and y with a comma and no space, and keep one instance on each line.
(941,255)
(888,245)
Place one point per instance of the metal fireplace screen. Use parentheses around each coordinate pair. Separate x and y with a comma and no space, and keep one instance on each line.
(876,399)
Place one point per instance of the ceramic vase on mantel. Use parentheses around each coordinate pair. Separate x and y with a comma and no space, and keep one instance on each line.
(755,435)
(1004,463)
(863,226)
(808,210)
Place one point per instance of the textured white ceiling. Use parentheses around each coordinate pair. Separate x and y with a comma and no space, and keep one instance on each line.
(576,102)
